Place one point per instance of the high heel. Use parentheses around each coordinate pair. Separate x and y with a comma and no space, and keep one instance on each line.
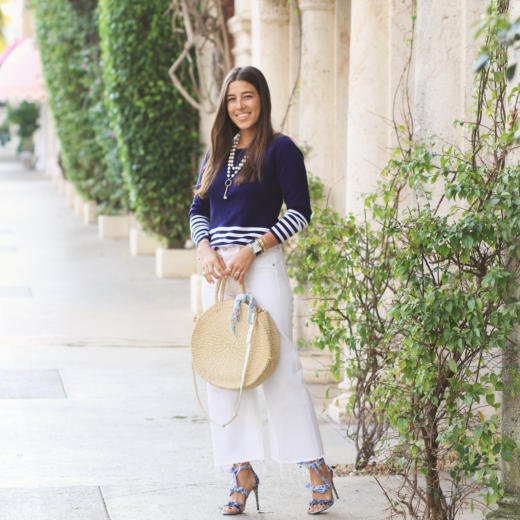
(240,508)
(322,488)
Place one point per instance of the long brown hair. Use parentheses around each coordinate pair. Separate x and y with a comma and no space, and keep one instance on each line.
(224,129)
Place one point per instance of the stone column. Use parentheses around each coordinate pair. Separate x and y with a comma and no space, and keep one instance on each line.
(509,506)
(440,79)
(472,11)
(379,50)
(27,20)
(400,81)
(53,167)
(291,124)
(270,51)
(240,28)
(317,122)
(341,67)
(209,95)
(368,98)
(378,53)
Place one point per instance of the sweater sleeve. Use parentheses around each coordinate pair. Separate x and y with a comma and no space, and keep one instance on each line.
(200,211)
(292,176)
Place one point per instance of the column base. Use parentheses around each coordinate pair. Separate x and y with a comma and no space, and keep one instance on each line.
(508,509)
(337,409)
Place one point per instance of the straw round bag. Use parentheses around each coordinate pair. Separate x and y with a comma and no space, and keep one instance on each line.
(235,344)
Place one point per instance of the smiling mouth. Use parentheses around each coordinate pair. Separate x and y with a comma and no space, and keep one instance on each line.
(242,116)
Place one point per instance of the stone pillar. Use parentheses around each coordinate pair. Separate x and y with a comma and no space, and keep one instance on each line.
(316,119)
(291,124)
(240,28)
(368,98)
(378,54)
(209,95)
(52,143)
(472,11)
(270,51)
(440,79)
(509,506)
(27,20)
(400,81)
(341,57)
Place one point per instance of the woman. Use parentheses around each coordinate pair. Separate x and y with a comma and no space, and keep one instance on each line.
(246,174)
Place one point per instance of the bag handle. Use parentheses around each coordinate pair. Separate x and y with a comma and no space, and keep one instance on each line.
(221,287)
(252,320)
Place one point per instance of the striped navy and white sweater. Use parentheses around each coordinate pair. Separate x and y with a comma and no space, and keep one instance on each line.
(252,209)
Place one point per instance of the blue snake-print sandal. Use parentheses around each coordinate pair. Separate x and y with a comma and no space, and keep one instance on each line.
(237,507)
(322,488)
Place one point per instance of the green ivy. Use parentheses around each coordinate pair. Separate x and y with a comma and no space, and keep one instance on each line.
(156,129)
(69,44)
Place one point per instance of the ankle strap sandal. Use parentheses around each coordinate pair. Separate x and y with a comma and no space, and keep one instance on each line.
(322,488)
(237,506)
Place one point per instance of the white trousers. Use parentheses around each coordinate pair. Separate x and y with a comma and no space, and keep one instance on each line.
(293,428)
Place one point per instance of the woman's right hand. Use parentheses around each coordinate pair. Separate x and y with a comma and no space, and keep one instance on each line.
(213,267)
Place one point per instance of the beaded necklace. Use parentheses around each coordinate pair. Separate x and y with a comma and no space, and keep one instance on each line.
(232,170)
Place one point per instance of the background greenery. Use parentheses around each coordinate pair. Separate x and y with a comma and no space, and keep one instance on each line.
(156,129)
(69,43)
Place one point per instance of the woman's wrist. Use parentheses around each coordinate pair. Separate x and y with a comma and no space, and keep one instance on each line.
(203,244)
(255,247)
(268,241)
(203,248)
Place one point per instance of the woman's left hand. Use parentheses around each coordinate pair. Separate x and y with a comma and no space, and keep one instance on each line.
(240,263)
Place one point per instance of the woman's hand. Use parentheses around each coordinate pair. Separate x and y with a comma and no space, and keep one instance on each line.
(213,267)
(240,264)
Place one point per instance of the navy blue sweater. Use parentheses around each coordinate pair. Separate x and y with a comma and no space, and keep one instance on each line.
(252,208)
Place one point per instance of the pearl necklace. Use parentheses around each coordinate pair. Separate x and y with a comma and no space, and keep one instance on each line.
(232,170)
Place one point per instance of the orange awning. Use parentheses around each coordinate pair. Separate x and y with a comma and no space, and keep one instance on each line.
(21,76)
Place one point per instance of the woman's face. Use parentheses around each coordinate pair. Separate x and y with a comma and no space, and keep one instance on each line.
(243,105)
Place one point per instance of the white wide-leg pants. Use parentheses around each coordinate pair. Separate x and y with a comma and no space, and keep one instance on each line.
(293,428)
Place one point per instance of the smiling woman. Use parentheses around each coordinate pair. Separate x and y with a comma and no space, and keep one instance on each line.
(243,104)
(248,172)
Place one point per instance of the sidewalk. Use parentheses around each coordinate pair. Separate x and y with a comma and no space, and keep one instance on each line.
(99,419)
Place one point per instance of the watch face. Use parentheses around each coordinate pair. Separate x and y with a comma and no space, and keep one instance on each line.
(256,248)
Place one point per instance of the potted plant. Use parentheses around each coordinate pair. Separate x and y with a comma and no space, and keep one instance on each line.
(25,116)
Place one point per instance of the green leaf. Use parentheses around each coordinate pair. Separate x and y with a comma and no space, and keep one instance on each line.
(490,399)
(452,365)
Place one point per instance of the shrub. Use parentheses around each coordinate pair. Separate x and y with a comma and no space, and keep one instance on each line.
(69,44)
(418,303)
(156,129)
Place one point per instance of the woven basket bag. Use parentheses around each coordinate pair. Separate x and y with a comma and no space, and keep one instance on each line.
(219,355)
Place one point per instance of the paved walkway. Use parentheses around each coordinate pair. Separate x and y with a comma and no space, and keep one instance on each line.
(99,421)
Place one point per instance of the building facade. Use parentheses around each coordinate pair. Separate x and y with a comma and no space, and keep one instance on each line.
(335,69)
